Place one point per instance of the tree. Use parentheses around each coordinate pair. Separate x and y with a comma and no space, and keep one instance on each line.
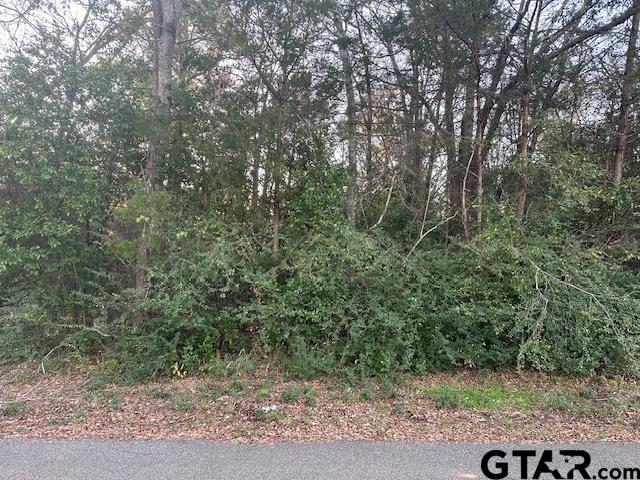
(343,43)
(166,20)
(276,39)
(628,81)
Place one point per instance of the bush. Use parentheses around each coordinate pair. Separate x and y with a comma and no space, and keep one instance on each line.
(191,303)
(27,329)
(352,303)
(339,302)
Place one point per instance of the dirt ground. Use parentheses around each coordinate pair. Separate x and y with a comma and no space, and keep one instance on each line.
(265,407)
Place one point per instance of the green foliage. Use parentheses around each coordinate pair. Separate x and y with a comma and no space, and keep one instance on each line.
(196,290)
(317,201)
(29,329)
(15,409)
(293,394)
(352,301)
(138,220)
(556,292)
(349,303)
(340,295)
(482,397)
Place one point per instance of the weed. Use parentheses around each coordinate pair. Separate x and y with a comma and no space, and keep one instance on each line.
(184,403)
(447,397)
(79,413)
(586,392)
(15,409)
(311,399)
(387,388)
(367,392)
(264,391)
(235,388)
(214,367)
(290,395)
(268,415)
(563,400)
(24,376)
(109,373)
(159,393)
(112,400)
(399,408)
(293,394)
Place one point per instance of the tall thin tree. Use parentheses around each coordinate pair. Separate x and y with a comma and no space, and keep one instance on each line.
(627,86)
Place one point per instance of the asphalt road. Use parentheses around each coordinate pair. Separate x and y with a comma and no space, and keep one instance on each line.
(23,459)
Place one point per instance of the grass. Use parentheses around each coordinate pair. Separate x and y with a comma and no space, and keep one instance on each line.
(159,393)
(15,409)
(293,394)
(484,397)
(496,397)
(184,402)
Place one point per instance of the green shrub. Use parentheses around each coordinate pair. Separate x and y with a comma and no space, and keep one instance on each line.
(340,301)
(350,303)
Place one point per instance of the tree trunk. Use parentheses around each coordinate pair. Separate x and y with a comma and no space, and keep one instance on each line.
(454,183)
(166,18)
(368,122)
(625,102)
(414,145)
(413,160)
(465,154)
(347,72)
(255,178)
(277,180)
(478,164)
(522,152)
(368,105)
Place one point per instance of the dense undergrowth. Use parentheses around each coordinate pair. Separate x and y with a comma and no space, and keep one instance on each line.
(558,292)
(349,302)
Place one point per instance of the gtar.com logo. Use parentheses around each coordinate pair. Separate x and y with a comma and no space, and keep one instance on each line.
(529,464)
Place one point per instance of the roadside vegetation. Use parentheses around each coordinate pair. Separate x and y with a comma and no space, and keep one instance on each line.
(268,405)
(356,191)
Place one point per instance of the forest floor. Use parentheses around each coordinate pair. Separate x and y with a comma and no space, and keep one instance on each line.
(265,406)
